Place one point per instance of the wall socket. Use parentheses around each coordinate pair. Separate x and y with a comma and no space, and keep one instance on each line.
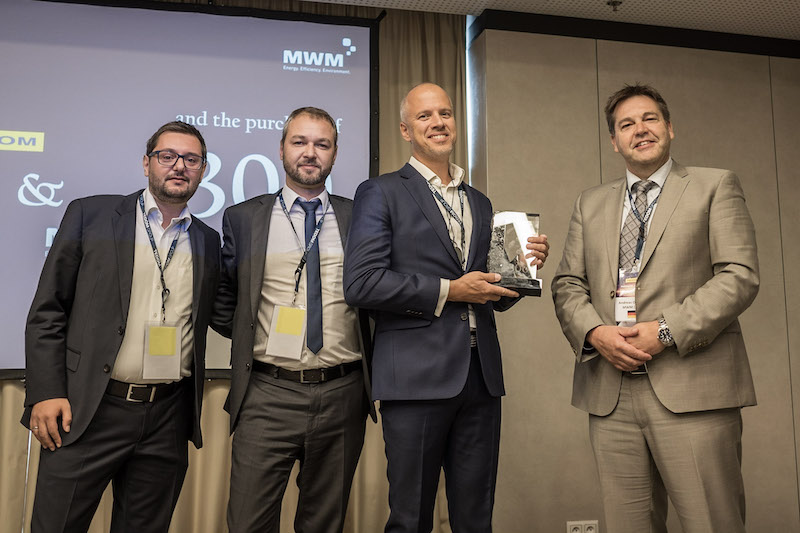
(583,526)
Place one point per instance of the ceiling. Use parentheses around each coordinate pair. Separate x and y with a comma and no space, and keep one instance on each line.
(765,18)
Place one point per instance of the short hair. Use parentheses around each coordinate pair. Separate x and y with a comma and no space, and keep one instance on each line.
(175,126)
(629,91)
(313,112)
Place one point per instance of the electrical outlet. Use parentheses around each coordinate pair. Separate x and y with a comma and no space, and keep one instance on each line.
(574,527)
(583,526)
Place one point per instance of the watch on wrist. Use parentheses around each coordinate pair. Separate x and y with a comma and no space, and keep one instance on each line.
(664,335)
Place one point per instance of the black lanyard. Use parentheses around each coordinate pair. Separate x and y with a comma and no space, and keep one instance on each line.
(299,270)
(454,216)
(642,219)
(161,269)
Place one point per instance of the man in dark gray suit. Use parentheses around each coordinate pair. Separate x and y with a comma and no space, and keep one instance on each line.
(115,346)
(300,382)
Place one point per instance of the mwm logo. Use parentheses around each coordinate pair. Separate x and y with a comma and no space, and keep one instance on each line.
(22,141)
(318,59)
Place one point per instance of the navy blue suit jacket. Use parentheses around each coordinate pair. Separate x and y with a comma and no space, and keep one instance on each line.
(397,252)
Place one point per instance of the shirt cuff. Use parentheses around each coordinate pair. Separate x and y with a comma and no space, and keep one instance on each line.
(588,352)
(444,290)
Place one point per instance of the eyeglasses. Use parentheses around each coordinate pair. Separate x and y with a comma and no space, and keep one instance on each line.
(168,158)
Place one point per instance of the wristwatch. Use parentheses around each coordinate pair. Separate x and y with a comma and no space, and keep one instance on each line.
(664,334)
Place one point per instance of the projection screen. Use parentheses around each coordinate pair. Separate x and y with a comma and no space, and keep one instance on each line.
(85,85)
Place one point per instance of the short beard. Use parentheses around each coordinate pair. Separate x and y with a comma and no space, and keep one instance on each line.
(161,193)
(297,177)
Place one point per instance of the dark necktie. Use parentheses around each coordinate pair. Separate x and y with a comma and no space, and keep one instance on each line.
(632,227)
(313,281)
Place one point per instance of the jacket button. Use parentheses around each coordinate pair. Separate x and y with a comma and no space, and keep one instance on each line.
(252,325)
(612,294)
(247,366)
(121,330)
(463,316)
(106,369)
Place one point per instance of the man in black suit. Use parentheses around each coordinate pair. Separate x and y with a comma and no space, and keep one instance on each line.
(416,257)
(294,396)
(115,346)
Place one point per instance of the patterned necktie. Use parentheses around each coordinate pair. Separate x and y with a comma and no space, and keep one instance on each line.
(630,231)
(313,281)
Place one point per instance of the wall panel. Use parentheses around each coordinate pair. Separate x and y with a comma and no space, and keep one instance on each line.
(542,139)
(540,150)
(786,105)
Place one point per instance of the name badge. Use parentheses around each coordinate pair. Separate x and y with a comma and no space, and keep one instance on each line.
(162,351)
(287,332)
(625,302)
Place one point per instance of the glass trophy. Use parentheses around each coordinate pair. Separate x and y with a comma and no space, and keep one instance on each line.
(510,232)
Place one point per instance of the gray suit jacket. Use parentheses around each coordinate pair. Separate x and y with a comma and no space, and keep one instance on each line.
(245,229)
(78,316)
(699,270)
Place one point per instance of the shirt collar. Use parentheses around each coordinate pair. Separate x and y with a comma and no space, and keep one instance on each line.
(155,216)
(456,172)
(658,177)
(289,196)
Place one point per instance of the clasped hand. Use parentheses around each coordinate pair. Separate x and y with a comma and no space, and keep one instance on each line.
(627,347)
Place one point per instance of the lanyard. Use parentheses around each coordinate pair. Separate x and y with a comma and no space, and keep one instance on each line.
(642,220)
(161,269)
(454,216)
(299,270)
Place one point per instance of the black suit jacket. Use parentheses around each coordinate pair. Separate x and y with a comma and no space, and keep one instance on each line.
(245,229)
(78,316)
(398,251)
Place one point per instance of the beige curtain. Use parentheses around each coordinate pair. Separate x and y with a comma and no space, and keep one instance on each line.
(414,47)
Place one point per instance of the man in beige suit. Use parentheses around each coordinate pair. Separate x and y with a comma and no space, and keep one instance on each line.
(657,267)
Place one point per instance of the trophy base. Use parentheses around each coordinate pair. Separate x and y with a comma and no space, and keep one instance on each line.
(525,287)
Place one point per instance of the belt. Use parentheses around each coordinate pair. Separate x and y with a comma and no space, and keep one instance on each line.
(309,375)
(641,370)
(133,392)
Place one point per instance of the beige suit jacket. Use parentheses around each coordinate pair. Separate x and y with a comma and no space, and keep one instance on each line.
(699,270)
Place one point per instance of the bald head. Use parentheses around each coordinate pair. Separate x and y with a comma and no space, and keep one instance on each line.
(415,92)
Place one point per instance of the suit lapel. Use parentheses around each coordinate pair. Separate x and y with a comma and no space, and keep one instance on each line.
(612,217)
(418,188)
(197,240)
(477,222)
(676,183)
(259,228)
(343,213)
(124,226)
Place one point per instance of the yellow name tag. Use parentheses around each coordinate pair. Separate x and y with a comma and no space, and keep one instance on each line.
(290,320)
(162,340)
(162,351)
(287,332)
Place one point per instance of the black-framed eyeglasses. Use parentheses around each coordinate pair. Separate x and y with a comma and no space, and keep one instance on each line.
(168,158)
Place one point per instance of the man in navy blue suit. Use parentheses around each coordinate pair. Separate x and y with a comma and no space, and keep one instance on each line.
(416,256)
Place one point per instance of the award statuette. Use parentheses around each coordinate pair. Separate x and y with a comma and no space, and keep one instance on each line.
(510,232)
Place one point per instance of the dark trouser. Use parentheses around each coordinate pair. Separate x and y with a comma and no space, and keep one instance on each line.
(140,447)
(461,434)
(280,422)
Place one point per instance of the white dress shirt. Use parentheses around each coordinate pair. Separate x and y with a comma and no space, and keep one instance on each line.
(285,245)
(145,304)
